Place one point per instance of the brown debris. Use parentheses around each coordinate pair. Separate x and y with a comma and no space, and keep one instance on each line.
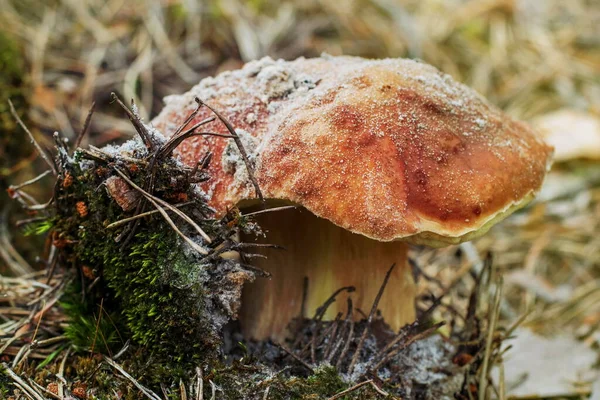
(125,196)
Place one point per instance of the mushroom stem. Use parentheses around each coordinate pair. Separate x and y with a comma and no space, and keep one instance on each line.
(330,257)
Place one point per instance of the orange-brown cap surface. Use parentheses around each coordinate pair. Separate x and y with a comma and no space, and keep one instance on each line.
(390,149)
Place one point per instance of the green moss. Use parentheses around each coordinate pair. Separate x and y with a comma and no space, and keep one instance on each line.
(325,382)
(90,325)
(247,379)
(38,227)
(149,291)
(160,309)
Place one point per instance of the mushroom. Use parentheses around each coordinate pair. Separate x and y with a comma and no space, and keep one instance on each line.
(375,154)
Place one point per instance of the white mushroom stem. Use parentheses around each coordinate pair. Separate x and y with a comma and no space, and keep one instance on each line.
(330,257)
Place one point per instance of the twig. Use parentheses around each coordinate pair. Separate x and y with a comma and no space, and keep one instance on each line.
(315,340)
(194,245)
(61,375)
(369,319)
(379,390)
(241,148)
(407,329)
(123,350)
(501,383)
(43,389)
(142,215)
(346,346)
(266,210)
(174,142)
(301,361)
(97,326)
(163,389)
(167,205)
(31,181)
(95,153)
(259,272)
(350,390)
(23,390)
(137,123)
(494,315)
(51,266)
(182,391)
(213,389)
(319,315)
(199,384)
(49,341)
(330,346)
(26,388)
(410,341)
(180,136)
(28,221)
(35,143)
(39,321)
(18,265)
(154,200)
(28,202)
(221,135)
(86,126)
(509,331)
(418,271)
(147,392)
(203,163)
(187,120)
(323,308)
(347,322)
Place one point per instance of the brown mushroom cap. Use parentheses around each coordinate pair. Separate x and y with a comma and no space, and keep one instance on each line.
(390,149)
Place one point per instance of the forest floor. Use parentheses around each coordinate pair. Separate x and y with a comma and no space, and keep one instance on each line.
(538,61)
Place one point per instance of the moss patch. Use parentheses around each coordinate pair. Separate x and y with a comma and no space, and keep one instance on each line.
(149,288)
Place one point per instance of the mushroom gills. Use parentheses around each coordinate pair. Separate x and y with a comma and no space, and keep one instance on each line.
(330,257)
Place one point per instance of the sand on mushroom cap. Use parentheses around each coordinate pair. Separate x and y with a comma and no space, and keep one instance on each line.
(389,149)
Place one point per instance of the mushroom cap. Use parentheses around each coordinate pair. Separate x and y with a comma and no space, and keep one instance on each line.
(390,149)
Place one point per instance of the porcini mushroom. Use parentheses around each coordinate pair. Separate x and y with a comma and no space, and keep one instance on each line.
(376,154)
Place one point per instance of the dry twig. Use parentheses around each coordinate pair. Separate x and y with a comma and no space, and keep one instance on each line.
(41,151)
(369,320)
(147,392)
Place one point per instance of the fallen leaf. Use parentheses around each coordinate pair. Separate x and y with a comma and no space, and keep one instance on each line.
(546,367)
(596,390)
(574,134)
(539,286)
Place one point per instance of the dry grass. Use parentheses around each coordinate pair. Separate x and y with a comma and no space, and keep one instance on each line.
(28,304)
(527,56)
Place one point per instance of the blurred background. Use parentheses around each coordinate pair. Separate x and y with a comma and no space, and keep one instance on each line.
(539,60)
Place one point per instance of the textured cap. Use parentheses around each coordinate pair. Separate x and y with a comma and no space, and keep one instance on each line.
(390,149)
